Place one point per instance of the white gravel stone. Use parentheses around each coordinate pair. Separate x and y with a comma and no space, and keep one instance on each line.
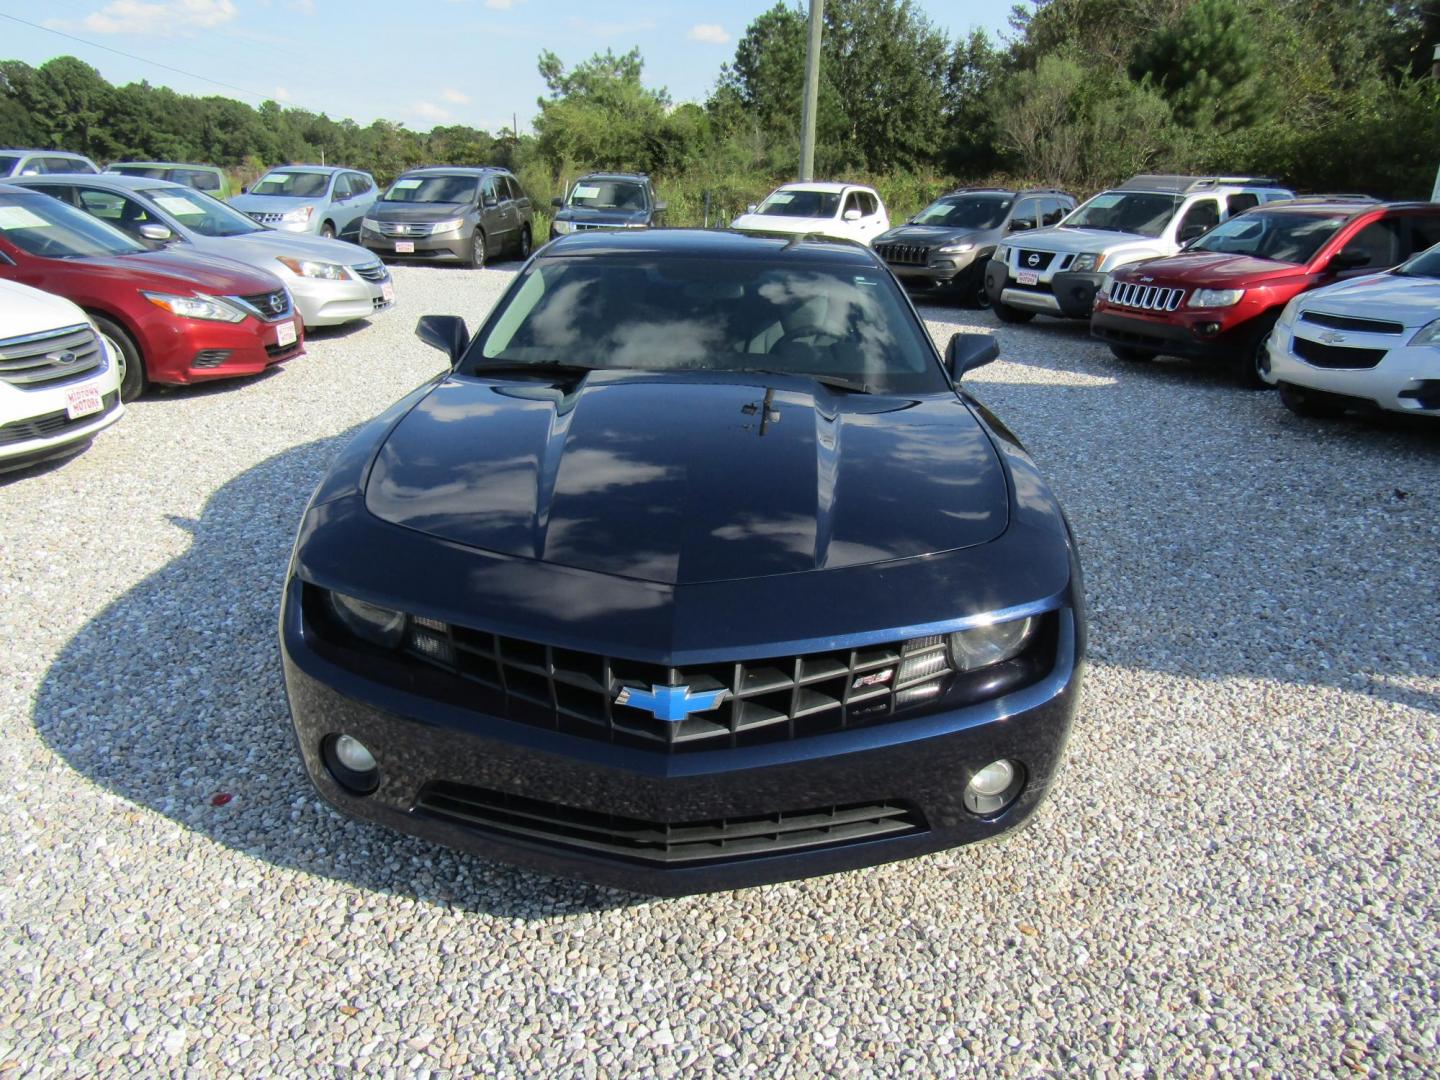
(1237,869)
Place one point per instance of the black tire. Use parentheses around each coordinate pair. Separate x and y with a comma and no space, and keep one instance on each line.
(132,367)
(1132,356)
(1007,314)
(1247,370)
(328,230)
(1311,404)
(979,297)
(477,250)
(525,242)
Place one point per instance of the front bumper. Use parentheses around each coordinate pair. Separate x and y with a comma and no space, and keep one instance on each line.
(918,766)
(329,303)
(34,426)
(447,247)
(1181,338)
(941,270)
(1065,295)
(1406,380)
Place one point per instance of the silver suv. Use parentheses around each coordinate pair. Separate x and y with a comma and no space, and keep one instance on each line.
(319,199)
(1057,271)
(43,162)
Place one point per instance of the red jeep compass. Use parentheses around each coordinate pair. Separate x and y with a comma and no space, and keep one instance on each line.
(1220,297)
(170,318)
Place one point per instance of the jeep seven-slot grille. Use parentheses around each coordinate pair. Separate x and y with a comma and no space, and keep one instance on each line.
(1145,297)
(1336,356)
(760,700)
(51,358)
(904,254)
(659,842)
(1347,322)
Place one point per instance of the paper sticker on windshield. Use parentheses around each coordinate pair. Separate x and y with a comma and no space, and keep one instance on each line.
(862,280)
(1104,202)
(585,191)
(406,185)
(780,198)
(17,217)
(178,206)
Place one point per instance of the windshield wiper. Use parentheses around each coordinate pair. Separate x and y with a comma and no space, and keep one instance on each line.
(537,367)
(835,382)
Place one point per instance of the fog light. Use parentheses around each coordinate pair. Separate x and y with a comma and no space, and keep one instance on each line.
(1209,329)
(994,787)
(351,763)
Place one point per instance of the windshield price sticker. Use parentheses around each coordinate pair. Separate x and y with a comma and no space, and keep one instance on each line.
(1104,202)
(586,191)
(780,198)
(17,217)
(178,206)
(406,185)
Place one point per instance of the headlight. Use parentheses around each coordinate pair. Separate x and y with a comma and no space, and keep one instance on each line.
(1428,335)
(562,227)
(370,622)
(198,306)
(985,645)
(1213,298)
(449,225)
(370,223)
(310,269)
(300,213)
(1002,254)
(1089,261)
(955,249)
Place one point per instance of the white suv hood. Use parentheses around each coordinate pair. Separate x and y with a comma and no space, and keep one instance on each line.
(24,311)
(778,223)
(1129,246)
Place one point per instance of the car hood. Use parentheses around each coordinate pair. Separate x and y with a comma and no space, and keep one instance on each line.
(1209,269)
(1414,301)
(270,244)
(275,204)
(930,235)
(686,479)
(25,311)
(776,223)
(183,273)
(1079,241)
(586,215)
(402,211)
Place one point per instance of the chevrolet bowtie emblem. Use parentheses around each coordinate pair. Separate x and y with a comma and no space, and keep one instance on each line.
(670,703)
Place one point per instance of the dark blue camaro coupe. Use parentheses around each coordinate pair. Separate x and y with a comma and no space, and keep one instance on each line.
(697,571)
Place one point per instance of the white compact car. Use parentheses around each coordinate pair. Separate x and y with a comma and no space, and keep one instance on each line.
(847,211)
(59,385)
(1369,342)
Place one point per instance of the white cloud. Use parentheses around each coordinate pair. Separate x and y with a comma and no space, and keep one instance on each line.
(455,97)
(428,110)
(304,7)
(500,5)
(713,33)
(158,18)
(282,94)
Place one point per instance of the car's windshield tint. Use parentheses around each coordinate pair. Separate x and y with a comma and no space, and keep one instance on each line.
(1426,264)
(47,227)
(433,189)
(692,314)
(294,184)
(966,211)
(1288,238)
(816,204)
(200,212)
(8,163)
(1142,212)
(608,195)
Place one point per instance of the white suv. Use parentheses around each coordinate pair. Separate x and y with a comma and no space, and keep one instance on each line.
(847,211)
(1057,271)
(59,385)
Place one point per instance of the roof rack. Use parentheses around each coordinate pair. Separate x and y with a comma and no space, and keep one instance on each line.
(1187,184)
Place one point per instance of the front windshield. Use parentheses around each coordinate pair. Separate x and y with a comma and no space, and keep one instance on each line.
(670,314)
(300,185)
(198,211)
(1287,238)
(1143,212)
(966,211)
(1426,264)
(608,195)
(45,226)
(151,172)
(433,189)
(792,203)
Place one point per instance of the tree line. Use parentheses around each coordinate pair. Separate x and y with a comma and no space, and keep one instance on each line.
(1328,95)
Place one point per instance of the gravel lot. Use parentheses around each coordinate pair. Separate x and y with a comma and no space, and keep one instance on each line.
(1238,870)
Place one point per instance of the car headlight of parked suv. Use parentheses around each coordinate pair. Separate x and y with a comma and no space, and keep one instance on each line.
(1002,254)
(370,223)
(955,249)
(311,269)
(1087,262)
(198,306)
(1428,335)
(562,227)
(300,213)
(1215,298)
(448,225)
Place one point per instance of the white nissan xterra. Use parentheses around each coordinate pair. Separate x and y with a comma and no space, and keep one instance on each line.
(1057,271)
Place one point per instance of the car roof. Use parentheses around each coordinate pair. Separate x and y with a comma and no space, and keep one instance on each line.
(329,169)
(165,165)
(1184,185)
(33,150)
(1352,205)
(639,178)
(833,187)
(112,180)
(455,170)
(713,244)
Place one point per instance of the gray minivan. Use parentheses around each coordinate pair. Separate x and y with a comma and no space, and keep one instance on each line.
(450,213)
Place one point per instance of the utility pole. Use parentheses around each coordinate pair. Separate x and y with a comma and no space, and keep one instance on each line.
(812,92)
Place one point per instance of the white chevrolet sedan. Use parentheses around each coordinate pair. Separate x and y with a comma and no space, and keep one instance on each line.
(847,211)
(1369,342)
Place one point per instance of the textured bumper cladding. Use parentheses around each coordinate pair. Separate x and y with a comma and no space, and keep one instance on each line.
(1070,295)
(1170,338)
(916,769)
(941,270)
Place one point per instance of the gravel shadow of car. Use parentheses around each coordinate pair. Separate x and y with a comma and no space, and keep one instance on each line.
(171,697)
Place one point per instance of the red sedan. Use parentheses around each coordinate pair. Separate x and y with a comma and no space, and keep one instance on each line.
(171,318)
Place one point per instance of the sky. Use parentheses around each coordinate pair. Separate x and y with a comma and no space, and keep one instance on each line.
(420,62)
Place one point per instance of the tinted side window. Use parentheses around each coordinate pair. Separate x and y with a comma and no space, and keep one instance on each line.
(852,202)
(342,187)
(199,179)
(1424,233)
(1199,219)
(360,183)
(515,191)
(1051,211)
(119,210)
(1238,204)
(1027,210)
(1380,241)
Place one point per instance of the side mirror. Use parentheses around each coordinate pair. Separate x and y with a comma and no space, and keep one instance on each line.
(444,332)
(159,233)
(489,200)
(557,201)
(1022,224)
(966,352)
(661,207)
(851,215)
(244,189)
(1347,259)
(750,209)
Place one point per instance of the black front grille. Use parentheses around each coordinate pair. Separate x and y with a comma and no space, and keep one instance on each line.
(1034,261)
(659,842)
(48,425)
(282,352)
(371,271)
(1336,356)
(268,305)
(1347,322)
(379,303)
(904,254)
(50,359)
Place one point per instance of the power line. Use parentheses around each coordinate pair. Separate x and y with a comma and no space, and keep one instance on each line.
(141,59)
